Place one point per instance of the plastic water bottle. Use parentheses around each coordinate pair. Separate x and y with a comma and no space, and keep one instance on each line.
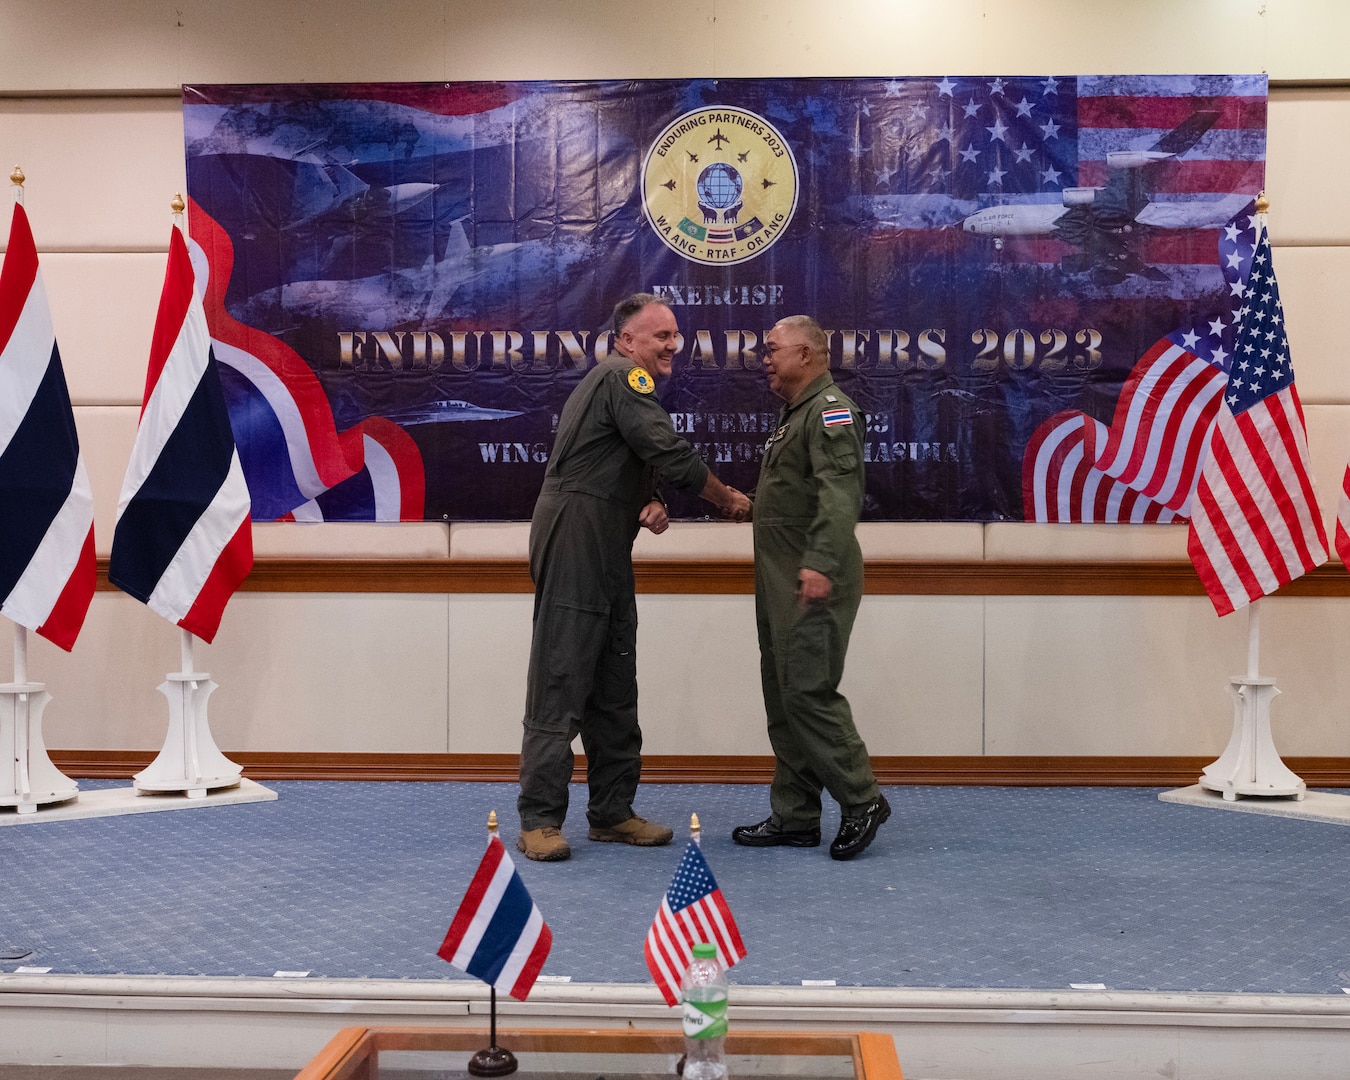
(704,993)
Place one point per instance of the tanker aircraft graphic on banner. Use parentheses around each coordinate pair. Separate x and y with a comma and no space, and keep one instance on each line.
(411,278)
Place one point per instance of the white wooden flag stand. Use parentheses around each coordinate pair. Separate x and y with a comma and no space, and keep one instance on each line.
(1251,765)
(28,779)
(190,761)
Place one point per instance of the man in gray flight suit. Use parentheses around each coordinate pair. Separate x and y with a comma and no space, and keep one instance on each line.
(808,583)
(614,440)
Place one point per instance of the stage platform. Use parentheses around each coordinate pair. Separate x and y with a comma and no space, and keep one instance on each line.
(994,932)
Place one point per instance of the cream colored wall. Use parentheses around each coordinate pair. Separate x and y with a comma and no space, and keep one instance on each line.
(89,107)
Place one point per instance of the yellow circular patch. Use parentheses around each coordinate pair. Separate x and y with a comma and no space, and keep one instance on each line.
(719,185)
(640,381)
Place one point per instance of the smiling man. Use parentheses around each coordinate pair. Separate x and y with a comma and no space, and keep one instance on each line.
(808,584)
(614,442)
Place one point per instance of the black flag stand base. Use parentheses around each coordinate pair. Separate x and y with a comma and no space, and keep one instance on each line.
(492,1061)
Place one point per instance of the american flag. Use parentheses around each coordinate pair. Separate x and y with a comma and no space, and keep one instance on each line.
(498,934)
(1343,520)
(692,911)
(1255,524)
(183,541)
(47,572)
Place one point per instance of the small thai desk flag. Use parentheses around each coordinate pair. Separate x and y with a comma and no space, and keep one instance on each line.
(47,572)
(498,935)
(183,540)
(693,910)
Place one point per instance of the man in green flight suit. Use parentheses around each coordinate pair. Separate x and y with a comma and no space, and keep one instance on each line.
(808,583)
(614,441)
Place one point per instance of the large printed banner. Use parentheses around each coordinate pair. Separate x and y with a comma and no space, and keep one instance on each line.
(405,281)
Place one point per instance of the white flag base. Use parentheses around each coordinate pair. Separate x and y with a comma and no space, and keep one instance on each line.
(190,760)
(29,779)
(1250,765)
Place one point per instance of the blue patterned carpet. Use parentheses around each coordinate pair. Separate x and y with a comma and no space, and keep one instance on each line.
(965,887)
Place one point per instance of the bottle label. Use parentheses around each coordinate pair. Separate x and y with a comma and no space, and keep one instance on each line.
(705,1019)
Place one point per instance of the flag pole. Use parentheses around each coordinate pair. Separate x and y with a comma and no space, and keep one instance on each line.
(695,830)
(492,1060)
(17,178)
(1250,764)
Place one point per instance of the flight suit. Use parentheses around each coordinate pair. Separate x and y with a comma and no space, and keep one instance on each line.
(806,506)
(614,438)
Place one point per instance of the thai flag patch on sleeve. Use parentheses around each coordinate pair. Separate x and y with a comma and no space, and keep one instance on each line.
(835,417)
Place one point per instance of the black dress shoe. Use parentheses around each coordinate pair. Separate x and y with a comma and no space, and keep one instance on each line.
(855,833)
(767,834)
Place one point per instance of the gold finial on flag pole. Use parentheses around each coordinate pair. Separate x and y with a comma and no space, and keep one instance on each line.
(17,178)
(492,822)
(1262,203)
(176,204)
(695,829)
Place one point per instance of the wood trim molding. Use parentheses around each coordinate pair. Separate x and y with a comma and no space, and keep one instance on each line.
(734,577)
(1078,771)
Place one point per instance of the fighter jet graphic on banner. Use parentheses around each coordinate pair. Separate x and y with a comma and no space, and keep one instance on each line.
(1107,223)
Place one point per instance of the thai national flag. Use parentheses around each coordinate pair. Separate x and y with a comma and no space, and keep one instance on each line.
(183,540)
(46,507)
(498,935)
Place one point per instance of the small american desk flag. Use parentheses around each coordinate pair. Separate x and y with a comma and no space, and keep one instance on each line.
(1255,524)
(692,910)
(498,935)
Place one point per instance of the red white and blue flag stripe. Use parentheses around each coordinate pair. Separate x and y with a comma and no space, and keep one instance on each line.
(1255,524)
(692,911)
(835,417)
(47,571)
(498,934)
(183,541)
(298,465)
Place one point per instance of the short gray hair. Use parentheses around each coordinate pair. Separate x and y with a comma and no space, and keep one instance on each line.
(629,306)
(812,335)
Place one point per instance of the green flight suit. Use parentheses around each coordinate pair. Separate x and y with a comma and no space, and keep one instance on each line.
(806,506)
(614,438)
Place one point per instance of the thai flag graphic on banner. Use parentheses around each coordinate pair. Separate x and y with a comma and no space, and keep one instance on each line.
(498,934)
(693,910)
(46,507)
(298,465)
(183,540)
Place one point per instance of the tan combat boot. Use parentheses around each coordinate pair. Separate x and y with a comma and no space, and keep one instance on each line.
(544,845)
(635,830)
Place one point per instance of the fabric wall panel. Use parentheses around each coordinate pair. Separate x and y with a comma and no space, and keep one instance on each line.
(1329,447)
(1312,288)
(1019,541)
(1105,675)
(107,434)
(101,171)
(103,309)
(1306,162)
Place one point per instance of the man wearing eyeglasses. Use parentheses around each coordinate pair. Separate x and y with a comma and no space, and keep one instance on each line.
(808,583)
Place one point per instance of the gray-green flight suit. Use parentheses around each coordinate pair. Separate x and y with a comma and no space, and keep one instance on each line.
(614,438)
(806,506)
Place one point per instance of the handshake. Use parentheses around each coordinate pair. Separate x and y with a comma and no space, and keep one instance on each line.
(737,506)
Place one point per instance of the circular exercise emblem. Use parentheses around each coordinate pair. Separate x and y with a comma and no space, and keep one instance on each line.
(719,185)
(640,381)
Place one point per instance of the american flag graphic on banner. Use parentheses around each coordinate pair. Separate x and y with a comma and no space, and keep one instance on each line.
(693,910)
(1255,524)
(1145,468)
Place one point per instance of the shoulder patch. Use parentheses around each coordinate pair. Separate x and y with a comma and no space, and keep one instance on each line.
(835,417)
(641,381)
